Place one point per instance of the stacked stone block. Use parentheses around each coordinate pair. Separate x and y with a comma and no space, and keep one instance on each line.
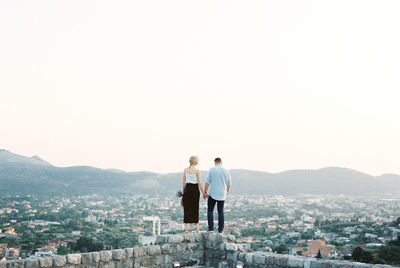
(196,249)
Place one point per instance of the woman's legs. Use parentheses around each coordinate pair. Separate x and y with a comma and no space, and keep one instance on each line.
(187,227)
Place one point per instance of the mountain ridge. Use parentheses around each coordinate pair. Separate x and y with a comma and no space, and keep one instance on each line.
(21,174)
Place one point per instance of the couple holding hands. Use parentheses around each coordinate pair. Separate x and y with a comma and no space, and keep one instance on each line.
(216,188)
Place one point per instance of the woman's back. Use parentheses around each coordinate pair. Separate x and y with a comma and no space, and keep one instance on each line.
(191,175)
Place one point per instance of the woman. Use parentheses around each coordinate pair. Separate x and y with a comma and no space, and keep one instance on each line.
(191,187)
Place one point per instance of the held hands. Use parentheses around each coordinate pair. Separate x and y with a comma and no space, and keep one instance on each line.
(205,195)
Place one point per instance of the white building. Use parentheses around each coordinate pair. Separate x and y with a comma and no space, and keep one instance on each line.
(91,218)
(147,239)
(43,254)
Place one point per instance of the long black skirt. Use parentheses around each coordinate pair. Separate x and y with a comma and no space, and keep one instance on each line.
(191,202)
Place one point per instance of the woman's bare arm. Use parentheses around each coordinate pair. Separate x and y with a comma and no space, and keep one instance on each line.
(183,180)
(199,182)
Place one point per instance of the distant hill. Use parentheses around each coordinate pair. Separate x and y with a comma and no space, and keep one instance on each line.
(32,175)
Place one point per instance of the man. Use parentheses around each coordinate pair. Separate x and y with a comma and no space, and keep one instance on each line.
(219,181)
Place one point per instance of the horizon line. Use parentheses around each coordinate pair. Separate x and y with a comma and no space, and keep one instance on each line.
(172,172)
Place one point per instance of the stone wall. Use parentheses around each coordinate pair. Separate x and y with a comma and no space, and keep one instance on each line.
(196,249)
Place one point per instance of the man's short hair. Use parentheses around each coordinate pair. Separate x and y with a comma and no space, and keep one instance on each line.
(217,160)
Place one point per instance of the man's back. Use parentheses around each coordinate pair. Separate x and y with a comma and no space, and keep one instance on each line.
(219,180)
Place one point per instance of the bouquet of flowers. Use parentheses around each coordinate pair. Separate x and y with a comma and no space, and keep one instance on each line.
(179,194)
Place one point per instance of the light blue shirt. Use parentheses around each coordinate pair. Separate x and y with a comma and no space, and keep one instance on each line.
(218,179)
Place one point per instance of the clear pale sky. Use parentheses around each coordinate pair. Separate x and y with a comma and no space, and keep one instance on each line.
(142,85)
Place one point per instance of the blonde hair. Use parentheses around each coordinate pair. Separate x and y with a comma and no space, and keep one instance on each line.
(193,159)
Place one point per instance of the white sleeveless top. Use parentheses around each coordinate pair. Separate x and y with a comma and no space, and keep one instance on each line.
(191,178)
